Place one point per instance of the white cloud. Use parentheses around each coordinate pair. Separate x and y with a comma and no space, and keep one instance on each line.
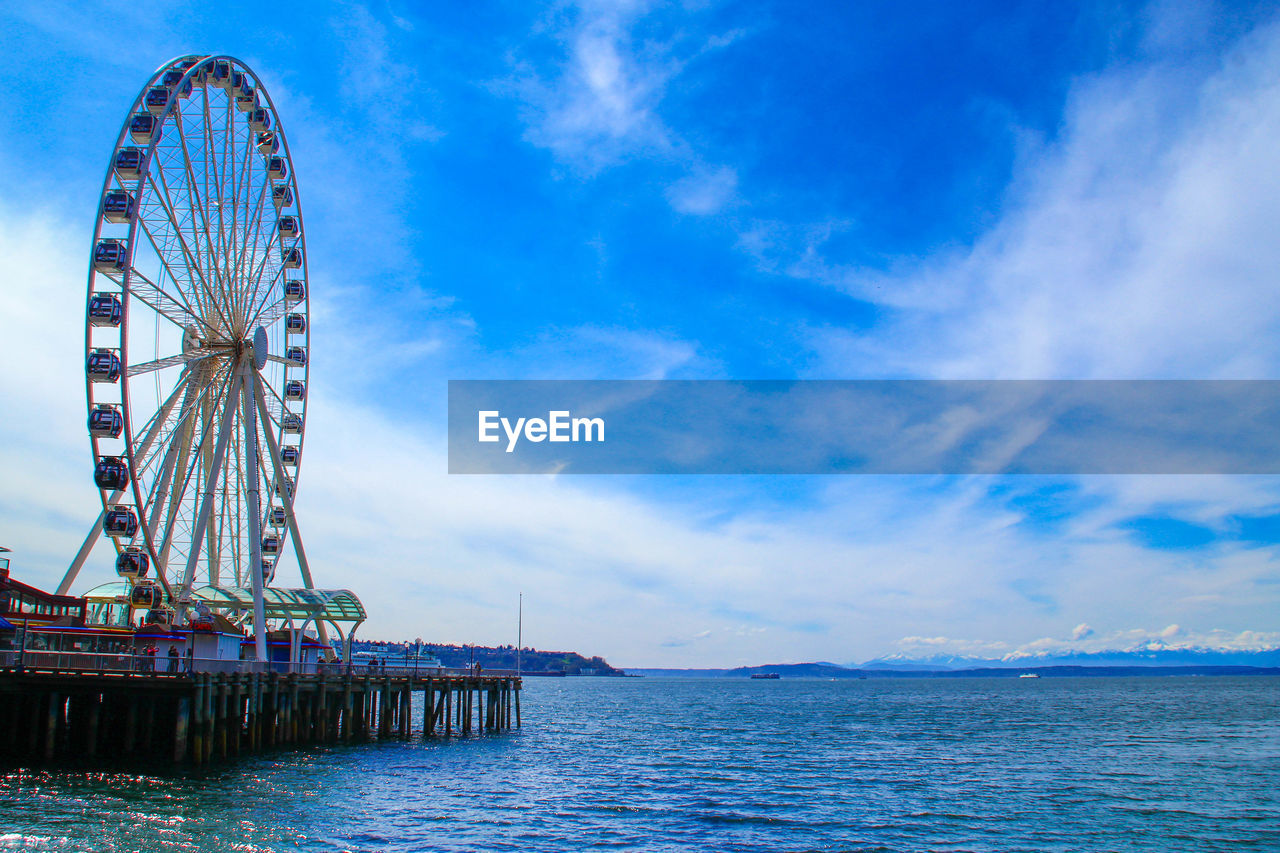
(47,497)
(1132,640)
(704,192)
(606,352)
(1139,244)
(388,93)
(1171,638)
(601,104)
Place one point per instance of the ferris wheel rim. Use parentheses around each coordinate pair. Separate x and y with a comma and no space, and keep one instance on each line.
(196,65)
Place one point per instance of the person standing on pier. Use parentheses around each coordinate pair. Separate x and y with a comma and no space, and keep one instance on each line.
(173,658)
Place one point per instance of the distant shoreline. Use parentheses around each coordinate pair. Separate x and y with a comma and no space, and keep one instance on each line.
(805,670)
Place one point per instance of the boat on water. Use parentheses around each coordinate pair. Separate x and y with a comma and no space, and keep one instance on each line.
(765,675)
(1029,675)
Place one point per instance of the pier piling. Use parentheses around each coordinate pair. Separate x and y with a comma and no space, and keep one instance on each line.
(52,715)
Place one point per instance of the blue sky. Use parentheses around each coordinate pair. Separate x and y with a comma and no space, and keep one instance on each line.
(709,190)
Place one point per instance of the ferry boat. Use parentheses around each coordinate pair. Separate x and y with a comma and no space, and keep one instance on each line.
(765,675)
(1029,675)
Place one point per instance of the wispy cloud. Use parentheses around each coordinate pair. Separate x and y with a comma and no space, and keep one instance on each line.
(598,102)
(704,192)
(388,91)
(608,352)
(47,496)
(1129,641)
(1139,243)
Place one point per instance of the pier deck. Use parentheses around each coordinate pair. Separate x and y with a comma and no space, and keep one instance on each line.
(48,714)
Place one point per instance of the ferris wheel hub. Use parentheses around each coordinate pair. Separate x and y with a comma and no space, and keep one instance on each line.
(260,348)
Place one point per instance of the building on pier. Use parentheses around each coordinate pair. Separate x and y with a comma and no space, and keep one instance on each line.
(97,631)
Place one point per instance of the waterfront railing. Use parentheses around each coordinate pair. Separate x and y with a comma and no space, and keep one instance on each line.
(40,660)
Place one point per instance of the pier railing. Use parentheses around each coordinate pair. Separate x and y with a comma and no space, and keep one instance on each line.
(39,660)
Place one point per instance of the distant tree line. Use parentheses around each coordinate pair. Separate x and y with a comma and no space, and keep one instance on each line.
(489,657)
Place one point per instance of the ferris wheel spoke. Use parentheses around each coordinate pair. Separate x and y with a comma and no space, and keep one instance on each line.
(158,494)
(275,402)
(186,464)
(286,499)
(162,363)
(253,267)
(214,196)
(198,388)
(236,496)
(219,161)
(164,262)
(190,256)
(208,161)
(198,404)
(197,203)
(178,457)
(230,229)
(271,284)
(159,301)
(269,313)
(261,293)
(175,456)
(249,279)
(166,191)
(213,534)
(241,232)
(152,427)
(210,485)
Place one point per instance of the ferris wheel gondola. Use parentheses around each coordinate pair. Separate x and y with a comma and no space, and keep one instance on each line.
(197,336)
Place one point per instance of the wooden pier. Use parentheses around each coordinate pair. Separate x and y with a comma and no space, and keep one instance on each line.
(203,717)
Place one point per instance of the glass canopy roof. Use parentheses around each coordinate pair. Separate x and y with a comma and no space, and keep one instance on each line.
(329,605)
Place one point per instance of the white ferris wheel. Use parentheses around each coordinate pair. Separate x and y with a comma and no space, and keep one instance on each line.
(197,341)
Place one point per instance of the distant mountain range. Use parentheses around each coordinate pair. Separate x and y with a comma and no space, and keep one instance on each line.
(1136,657)
(1189,661)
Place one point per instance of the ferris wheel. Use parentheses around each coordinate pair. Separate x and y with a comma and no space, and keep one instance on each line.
(197,340)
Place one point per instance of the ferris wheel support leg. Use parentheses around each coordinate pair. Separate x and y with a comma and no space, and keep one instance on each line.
(210,491)
(250,423)
(287,500)
(95,533)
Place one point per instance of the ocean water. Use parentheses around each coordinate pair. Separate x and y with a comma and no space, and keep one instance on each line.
(727,765)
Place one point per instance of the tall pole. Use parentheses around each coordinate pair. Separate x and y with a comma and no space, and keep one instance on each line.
(287,501)
(519,631)
(250,422)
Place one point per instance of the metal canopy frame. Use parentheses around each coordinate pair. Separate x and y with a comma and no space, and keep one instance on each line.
(330,605)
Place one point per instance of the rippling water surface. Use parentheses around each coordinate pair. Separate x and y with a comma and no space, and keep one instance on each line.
(718,764)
